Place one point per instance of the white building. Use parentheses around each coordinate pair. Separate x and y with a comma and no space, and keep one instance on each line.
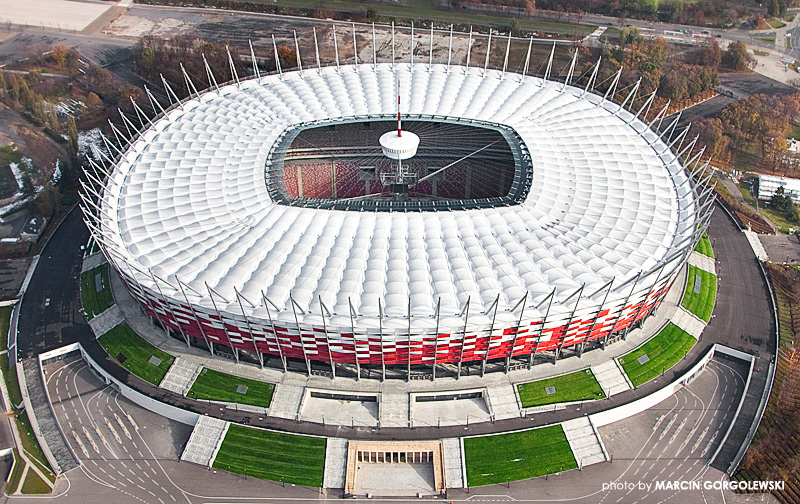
(768,184)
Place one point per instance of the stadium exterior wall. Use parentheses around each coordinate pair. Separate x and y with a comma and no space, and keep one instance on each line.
(384,347)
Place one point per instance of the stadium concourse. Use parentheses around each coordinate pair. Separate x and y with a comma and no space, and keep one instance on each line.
(537,218)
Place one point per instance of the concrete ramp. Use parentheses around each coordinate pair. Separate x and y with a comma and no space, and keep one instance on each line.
(502,401)
(585,442)
(610,378)
(689,322)
(181,376)
(205,441)
(286,400)
(335,463)
(453,470)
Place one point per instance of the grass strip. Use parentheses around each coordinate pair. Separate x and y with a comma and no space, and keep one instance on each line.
(134,353)
(663,351)
(700,303)
(275,456)
(30,445)
(218,386)
(517,455)
(578,386)
(95,301)
(16,475)
(704,247)
(34,484)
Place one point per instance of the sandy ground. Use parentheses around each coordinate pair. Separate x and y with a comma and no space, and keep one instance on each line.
(62,14)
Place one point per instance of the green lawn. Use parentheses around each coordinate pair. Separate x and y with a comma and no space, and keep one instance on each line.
(704,246)
(789,18)
(702,303)
(760,53)
(517,455)
(778,218)
(776,23)
(768,40)
(218,386)
(275,456)
(577,386)
(664,351)
(134,353)
(34,484)
(95,301)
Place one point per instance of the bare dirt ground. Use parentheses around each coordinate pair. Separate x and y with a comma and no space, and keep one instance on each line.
(30,141)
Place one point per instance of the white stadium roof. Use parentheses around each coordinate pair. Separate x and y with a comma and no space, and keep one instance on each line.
(189,199)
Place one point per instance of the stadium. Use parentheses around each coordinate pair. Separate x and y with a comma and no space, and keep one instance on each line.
(292,220)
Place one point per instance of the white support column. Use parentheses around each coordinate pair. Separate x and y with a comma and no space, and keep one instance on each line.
(274,332)
(355,47)
(516,332)
(412,46)
(355,343)
(541,328)
(527,60)
(450,48)
(622,309)
(300,333)
(322,310)
(316,49)
(469,50)
(297,51)
(256,72)
(196,318)
(336,47)
(222,322)
(505,60)
(436,341)
(249,326)
(374,48)
(430,51)
(277,58)
(463,337)
(488,52)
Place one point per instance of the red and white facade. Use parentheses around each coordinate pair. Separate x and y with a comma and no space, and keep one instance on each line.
(185,217)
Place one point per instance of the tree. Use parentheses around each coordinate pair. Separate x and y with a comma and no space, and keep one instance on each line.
(93,101)
(772,8)
(72,140)
(736,57)
(59,54)
(708,55)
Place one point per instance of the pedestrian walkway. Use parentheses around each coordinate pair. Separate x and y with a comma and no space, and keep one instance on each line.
(703,262)
(453,469)
(689,322)
(335,463)
(181,376)
(502,401)
(286,401)
(205,440)
(106,321)
(587,447)
(756,245)
(610,378)
(93,261)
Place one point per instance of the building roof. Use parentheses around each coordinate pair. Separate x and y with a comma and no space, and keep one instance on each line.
(189,199)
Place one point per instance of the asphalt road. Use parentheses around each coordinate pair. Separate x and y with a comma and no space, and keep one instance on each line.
(135,459)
